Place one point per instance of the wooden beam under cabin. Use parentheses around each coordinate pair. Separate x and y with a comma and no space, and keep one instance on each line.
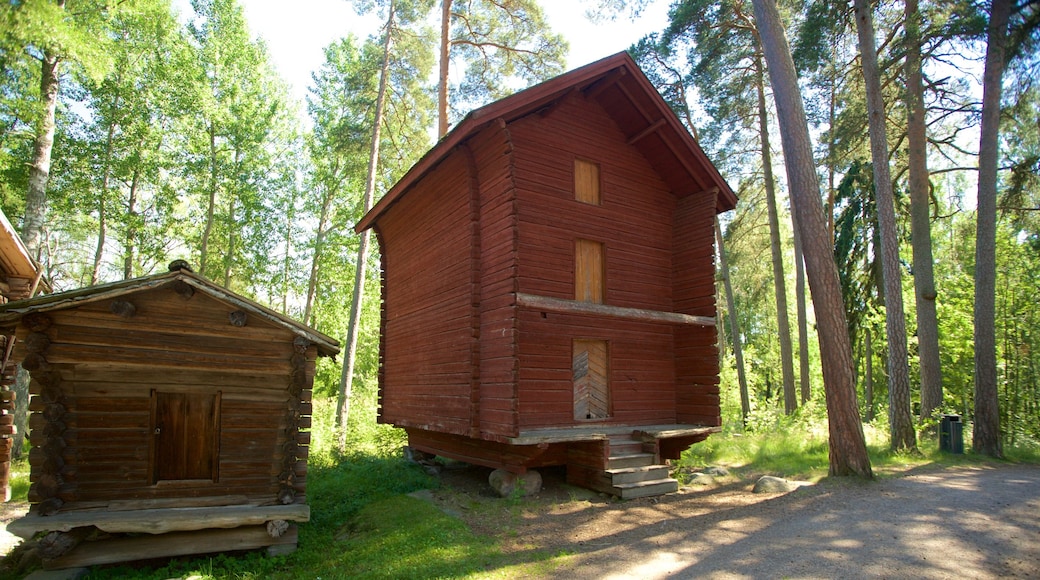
(160,521)
(562,306)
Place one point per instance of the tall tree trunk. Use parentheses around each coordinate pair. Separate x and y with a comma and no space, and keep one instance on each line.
(803,322)
(734,325)
(986,431)
(920,220)
(832,141)
(40,165)
(783,323)
(868,378)
(319,247)
(35,218)
(442,75)
(229,256)
(130,241)
(211,205)
(899,416)
(848,449)
(106,175)
(354,324)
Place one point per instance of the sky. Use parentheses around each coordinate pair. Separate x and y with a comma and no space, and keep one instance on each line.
(296,36)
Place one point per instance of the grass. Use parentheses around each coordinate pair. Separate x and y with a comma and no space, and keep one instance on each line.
(797,448)
(365,525)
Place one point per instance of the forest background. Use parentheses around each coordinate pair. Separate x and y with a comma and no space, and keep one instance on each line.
(132,134)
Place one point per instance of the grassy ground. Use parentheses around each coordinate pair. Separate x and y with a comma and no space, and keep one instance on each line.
(365,525)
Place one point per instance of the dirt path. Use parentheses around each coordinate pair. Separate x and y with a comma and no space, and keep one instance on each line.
(957,522)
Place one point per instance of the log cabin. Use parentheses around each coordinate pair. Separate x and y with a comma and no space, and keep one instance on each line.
(169,417)
(20,278)
(548,286)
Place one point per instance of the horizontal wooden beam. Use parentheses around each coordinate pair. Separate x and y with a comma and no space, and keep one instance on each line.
(562,306)
(129,549)
(653,127)
(160,521)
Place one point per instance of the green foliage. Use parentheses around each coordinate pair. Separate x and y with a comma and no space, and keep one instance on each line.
(502,46)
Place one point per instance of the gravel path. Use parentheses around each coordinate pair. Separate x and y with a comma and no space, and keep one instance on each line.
(955,522)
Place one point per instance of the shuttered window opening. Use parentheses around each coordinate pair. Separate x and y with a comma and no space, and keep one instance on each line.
(185,436)
(586,182)
(588,271)
(591,370)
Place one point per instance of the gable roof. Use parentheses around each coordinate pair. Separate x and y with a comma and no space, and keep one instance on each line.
(15,261)
(12,312)
(621,88)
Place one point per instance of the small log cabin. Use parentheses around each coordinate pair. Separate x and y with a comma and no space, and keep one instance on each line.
(20,277)
(169,417)
(548,285)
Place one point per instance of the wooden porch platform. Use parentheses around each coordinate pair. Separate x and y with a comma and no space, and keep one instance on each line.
(605,431)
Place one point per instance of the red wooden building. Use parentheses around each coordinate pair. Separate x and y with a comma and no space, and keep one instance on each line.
(548,285)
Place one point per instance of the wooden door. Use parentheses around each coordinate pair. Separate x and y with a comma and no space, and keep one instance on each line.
(591,371)
(588,271)
(586,182)
(185,436)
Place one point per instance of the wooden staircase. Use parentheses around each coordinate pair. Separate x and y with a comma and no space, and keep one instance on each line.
(632,470)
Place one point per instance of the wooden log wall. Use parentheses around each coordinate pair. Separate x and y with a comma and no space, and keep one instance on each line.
(428,358)
(8,373)
(635,224)
(94,370)
(696,347)
(634,220)
(499,327)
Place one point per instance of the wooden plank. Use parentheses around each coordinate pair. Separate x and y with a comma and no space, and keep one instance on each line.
(535,302)
(160,520)
(128,549)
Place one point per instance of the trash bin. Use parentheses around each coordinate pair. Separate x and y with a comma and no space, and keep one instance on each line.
(951,434)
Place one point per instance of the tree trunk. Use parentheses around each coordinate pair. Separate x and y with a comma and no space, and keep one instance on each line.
(229,256)
(442,76)
(36,211)
(920,221)
(803,322)
(783,323)
(130,242)
(986,431)
(40,165)
(868,378)
(848,449)
(106,174)
(734,325)
(899,416)
(211,206)
(319,247)
(354,324)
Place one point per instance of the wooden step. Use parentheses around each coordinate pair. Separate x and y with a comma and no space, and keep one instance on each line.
(630,460)
(646,488)
(637,474)
(625,445)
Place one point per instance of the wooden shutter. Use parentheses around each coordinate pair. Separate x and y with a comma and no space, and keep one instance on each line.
(591,370)
(586,182)
(588,271)
(185,436)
